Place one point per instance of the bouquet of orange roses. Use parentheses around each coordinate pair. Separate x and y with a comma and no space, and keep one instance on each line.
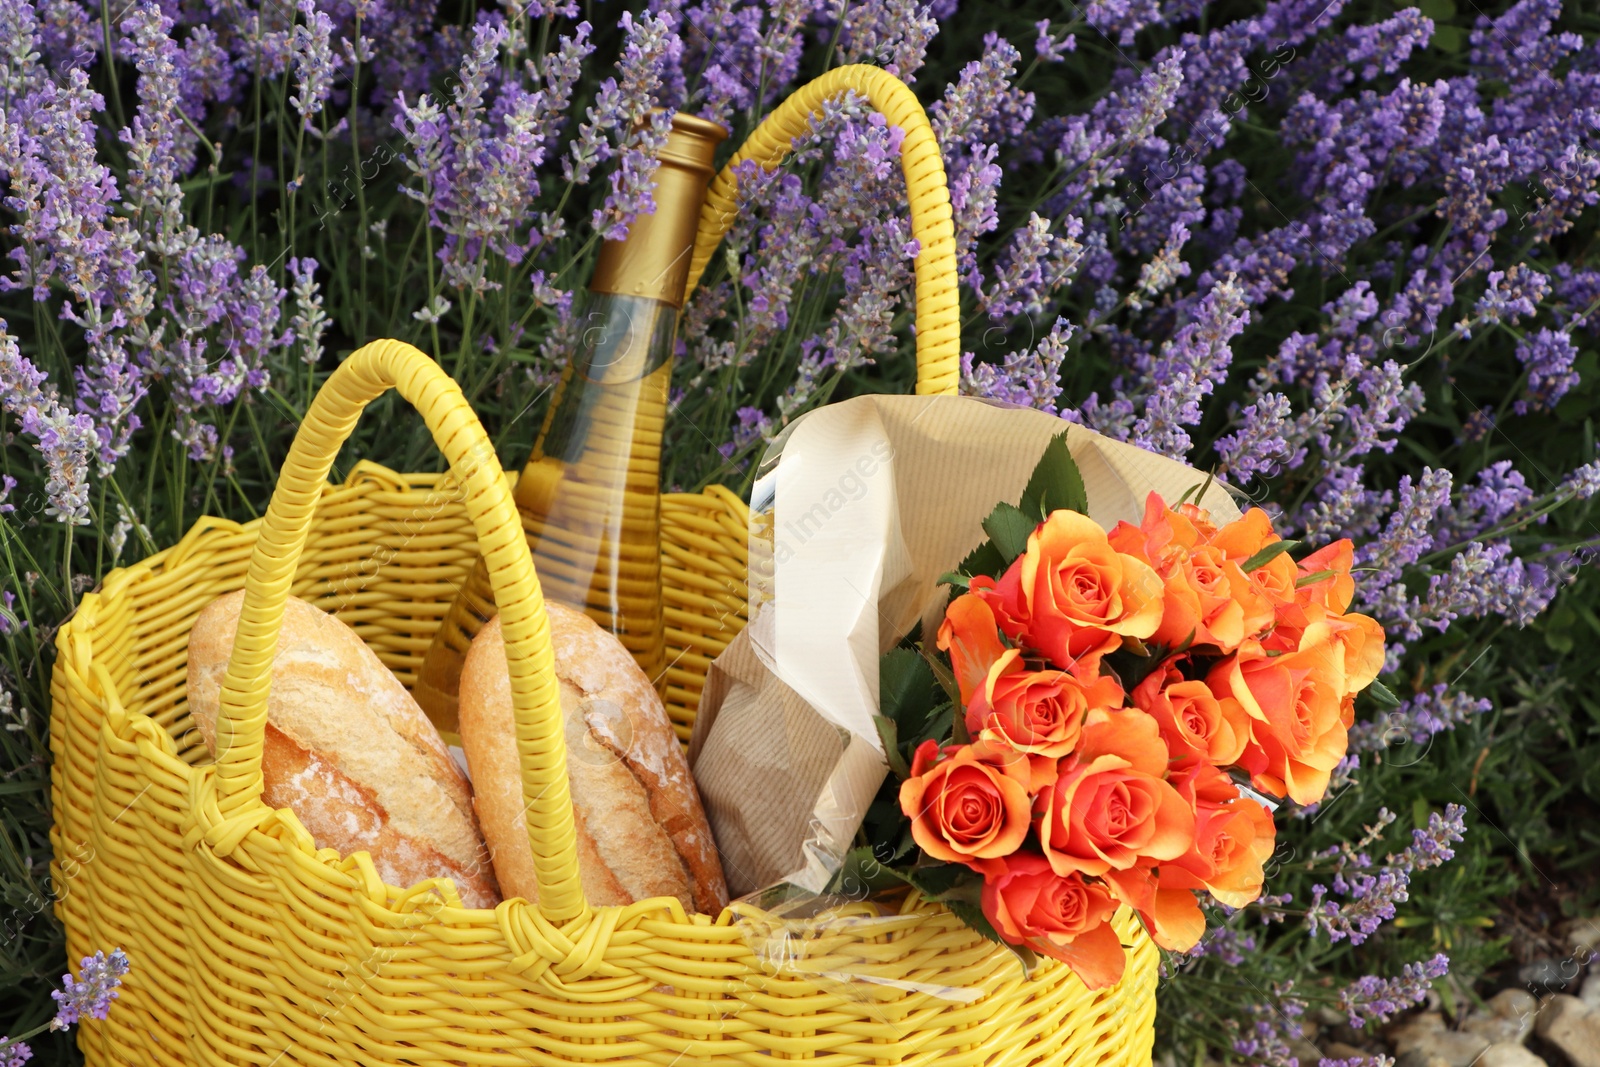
(1097,712)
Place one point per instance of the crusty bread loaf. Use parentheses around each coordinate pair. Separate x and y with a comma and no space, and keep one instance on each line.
(641,830)
(348,750)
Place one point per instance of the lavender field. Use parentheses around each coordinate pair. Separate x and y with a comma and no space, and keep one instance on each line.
(1341,254)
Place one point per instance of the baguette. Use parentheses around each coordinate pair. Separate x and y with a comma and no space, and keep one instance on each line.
(348,750)
(641,830)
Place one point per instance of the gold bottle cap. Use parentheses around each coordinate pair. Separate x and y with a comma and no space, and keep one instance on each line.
(653,260)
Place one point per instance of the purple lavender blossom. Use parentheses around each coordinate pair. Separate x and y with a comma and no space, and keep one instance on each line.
(1093,145)
(753,427)
(1497,491)
(1430,847)
(1260,447)
(619,109)
(68,36)
(1511,295)
(478,159)
(1583,483)
(1048,47)
(160,144)
(1041,261)
(1377,1000)
(92,992)
(978,112)
(1344,507)
(742,48)
(1031,378)
(64,440)
(1418,719)
(1408,533)
(314,65)
(1370,899)
(1188,368)
(14,1053)
(1266,1042)
(1367,51)
(1484,579)
(894,33)
(1577,293)
(1226,944)
(1121,20)
(982,105)
(309,321)
(1548,355)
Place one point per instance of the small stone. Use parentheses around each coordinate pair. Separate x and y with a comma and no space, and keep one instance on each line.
(1500,1029)
(1508,1054)
(1546,974)
(1514,1004)
(1571,1026)
(1338,1050)
(1591,990)
(1418,1058)
(1420,1023)
(1455,1047)
(1583,934)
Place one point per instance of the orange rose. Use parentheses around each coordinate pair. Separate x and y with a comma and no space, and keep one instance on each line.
(1165,900)
(1072,596)
(1328,594)
(1359,640)
(1274,580)
(1233,836)
(1038,712)
(1207,598)
(1065,918)
(1295,701)
(1194,721)
(971,805)
(969,633)
(1109,808)
(1335,588)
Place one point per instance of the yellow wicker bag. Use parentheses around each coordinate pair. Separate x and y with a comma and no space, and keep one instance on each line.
(251,946)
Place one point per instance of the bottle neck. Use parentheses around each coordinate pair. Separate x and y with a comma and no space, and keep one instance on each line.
(653,260)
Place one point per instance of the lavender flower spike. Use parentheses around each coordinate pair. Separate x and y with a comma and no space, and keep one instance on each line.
(1584,482)
(314,65)
(309,321)
(92,992)
(14,1053)
(1377,1000)
(65,440)
(1187,369)
(1031,378)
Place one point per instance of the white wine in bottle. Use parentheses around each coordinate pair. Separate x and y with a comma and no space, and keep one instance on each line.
(590,494)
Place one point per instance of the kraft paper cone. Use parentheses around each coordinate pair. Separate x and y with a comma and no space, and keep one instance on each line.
(858,509)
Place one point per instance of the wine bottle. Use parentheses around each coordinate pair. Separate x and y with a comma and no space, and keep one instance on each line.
(590,494)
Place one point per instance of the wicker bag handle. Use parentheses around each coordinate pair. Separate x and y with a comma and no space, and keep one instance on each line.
(241,725)
(938,311)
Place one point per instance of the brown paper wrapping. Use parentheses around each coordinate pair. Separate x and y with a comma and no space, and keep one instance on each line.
(859,508)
